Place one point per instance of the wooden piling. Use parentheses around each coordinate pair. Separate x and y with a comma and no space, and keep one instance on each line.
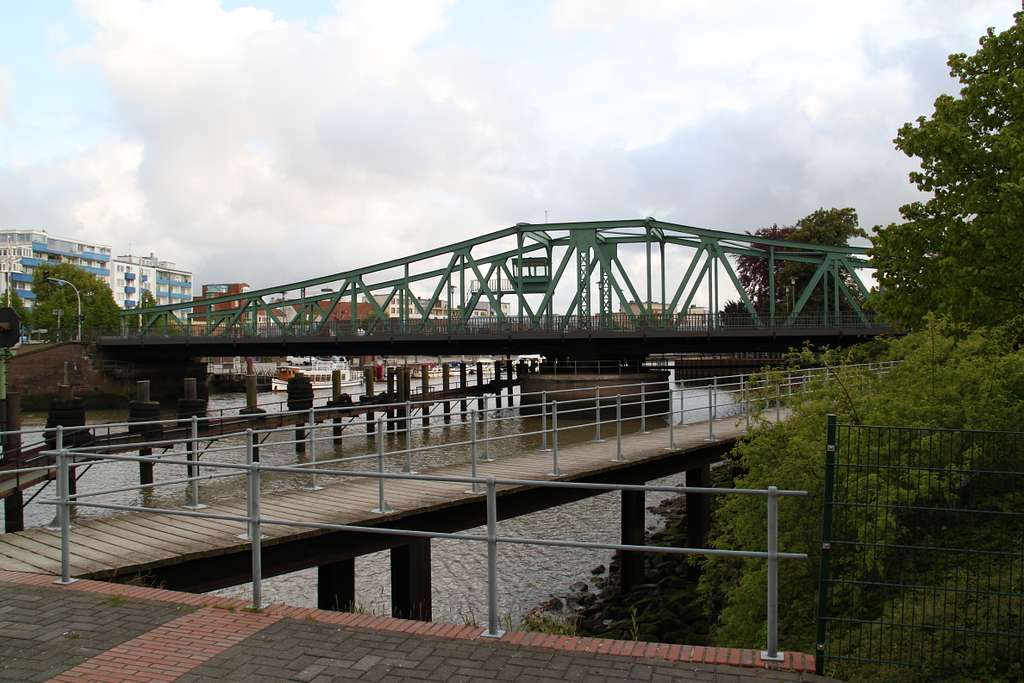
(509,377)
(425,386)
(462,386)
(392,397)
(480,383)
(497,384)
(445,381)
(371,425)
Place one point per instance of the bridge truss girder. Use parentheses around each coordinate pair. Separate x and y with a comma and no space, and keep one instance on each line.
(443,288)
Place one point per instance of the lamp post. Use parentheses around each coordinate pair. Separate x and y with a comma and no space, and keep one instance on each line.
(78,296)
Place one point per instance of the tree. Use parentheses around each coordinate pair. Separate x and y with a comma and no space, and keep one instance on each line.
(99,311)
(961,252)
(832,227)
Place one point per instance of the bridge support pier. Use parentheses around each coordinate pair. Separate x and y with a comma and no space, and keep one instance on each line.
(410,580)
(632,522)
(336,585)
(698,507)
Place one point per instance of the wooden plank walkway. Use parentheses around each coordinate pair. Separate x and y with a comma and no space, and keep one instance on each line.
(128,543)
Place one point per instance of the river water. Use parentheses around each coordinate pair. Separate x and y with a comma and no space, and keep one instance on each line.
(527,575)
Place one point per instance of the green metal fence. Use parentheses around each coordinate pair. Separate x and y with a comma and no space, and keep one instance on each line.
(922,567)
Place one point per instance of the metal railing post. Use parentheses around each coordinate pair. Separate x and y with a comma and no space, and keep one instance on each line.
(475,487)
(772,652)
(407,468)
(313,485)
(778,402)
(671,420)
(714,390)
(618,428)
(382,505)
(483,426)
(597,418)
(64,513)
(711,420)
(555,472)
(643,408)
(255,532)
(193,455)
(746,399)
(55,523)
(492,561)
(544,421)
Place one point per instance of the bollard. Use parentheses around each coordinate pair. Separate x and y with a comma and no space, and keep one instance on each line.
(382,505)
(555,472)
(492,561)
(618,429)
(311,435)
(475,487)
(64,512)
(772,652)
(543,421)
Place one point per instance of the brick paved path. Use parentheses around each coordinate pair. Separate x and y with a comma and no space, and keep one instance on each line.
(92,631)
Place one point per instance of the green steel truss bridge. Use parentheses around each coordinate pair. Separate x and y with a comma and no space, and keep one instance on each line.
(535,288)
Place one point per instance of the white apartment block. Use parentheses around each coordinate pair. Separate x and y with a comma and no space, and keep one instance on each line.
(132,275)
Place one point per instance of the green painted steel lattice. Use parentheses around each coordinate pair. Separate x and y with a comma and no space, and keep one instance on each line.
(922,569)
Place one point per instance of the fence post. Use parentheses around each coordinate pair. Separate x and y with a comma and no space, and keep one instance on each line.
(492,560)
(382,505)
(597,418)
(313,485)
(826,544)
(618,428)
(64,512)
(643,408)
(772,652)
(544,421)
(555,472)
(475,487)
(193,470)
(255,533)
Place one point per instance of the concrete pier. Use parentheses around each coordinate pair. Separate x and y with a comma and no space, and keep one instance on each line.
(410,581)
(336,585)
(632,528)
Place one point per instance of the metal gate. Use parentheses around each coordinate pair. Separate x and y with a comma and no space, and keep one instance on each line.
(922,563)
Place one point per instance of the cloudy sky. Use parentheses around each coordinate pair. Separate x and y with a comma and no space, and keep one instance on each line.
(269,141)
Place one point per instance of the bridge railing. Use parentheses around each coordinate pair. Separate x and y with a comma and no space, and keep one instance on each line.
(504,326)
(746,397)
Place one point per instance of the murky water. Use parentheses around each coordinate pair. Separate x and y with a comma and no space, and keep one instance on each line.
(527,574)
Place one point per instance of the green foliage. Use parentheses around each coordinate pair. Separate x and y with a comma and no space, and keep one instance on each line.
(950,377)
(961,252)
(99,311)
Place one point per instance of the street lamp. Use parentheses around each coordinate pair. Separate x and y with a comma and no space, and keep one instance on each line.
(78,296)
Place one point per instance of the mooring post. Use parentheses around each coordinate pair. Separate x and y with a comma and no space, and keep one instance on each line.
(425,387)
(445,382)
(391,398)
(14,503)
(145,467)
(480,383)
(508,376)
(368,385)
(497,383)
(462,387)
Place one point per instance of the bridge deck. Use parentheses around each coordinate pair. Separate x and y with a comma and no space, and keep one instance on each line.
(129,543)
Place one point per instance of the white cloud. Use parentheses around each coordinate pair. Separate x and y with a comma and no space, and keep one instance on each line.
(256,149)
(5,87)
